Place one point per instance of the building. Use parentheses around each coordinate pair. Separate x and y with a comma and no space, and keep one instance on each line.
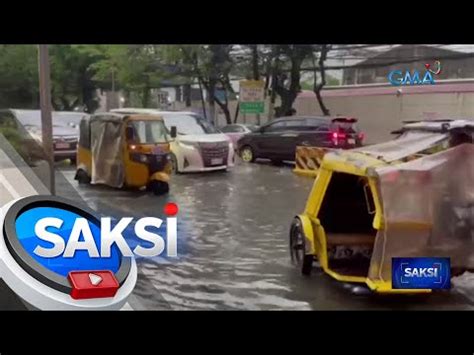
(454,64)
(381,109)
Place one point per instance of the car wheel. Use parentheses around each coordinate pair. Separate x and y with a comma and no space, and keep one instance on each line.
(297,248)
(82,177)
(174,164)
(247,155)
(159,187)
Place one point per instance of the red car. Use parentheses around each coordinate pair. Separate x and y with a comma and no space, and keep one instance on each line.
(236,131)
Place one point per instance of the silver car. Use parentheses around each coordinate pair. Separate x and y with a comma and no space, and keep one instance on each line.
(65,129)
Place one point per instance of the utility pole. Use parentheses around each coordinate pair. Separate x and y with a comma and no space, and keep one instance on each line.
(46,114)
(255,70)
(114,103)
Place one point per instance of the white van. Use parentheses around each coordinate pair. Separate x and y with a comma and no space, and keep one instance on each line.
(198,145)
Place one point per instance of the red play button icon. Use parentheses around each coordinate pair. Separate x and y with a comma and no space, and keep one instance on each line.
(92,284)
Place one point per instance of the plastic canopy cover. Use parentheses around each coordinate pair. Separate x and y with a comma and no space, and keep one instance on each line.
(428,210)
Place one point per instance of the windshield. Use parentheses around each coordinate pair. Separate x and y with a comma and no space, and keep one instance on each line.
(149,132)
(189,124)
(348,127)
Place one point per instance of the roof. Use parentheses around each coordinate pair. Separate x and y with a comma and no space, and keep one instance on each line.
(119,117)
(402,147)
(325,118)
(374,53)
(441,86)
(33,117)
(438,125)
(148,111)
(363,160)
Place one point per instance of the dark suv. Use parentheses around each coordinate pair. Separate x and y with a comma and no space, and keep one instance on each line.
(277,140)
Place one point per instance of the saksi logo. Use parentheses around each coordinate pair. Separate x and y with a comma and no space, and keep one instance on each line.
(50,232)
(421,273)
(415,77)
(109,236)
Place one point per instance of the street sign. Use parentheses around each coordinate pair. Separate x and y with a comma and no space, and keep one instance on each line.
(252,96)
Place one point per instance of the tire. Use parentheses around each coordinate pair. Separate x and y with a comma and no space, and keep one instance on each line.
(159,187)
(297,248)
(82,177)
(247,154)
(174,164)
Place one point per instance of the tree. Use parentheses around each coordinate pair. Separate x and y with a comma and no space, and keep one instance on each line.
(217,65)
(318,86)
(132,68)
(286,83)
(211,66)
(73,86)
(185,58)
(19,76)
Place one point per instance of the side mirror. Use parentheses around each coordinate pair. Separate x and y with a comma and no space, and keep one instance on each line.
(129,133)
(261,130)
(173,132)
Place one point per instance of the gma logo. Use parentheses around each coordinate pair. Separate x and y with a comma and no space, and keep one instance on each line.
(398,78)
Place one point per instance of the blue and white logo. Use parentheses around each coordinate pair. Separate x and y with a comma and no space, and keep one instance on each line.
(42,234)
(421,273)
(54,256)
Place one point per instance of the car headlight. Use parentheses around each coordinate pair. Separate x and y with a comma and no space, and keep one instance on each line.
(188,145)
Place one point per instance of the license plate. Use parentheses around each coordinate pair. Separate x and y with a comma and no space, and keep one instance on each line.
(62,145)
(157,150)
(351,141)
(216,161)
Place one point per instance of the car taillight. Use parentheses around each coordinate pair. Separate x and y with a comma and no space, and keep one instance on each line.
(361,136)
(337,135)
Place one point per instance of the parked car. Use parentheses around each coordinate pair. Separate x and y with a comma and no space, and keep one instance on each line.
(237,130)
(198,146)
(277,140)
(65,129)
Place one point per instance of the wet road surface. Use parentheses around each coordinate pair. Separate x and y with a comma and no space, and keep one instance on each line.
(233,246)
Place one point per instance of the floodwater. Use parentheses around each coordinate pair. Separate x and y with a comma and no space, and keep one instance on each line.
(233,246)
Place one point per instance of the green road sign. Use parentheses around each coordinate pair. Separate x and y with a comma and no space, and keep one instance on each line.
(252,98)
(252,107)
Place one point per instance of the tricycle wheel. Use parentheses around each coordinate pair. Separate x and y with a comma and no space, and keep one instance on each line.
(159,187)
(82,177)
(298,247)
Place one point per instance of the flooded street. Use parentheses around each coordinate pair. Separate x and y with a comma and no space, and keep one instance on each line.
(233,246)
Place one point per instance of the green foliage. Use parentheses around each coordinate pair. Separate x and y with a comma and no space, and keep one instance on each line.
(78,71)
(72,80)
(18,76)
